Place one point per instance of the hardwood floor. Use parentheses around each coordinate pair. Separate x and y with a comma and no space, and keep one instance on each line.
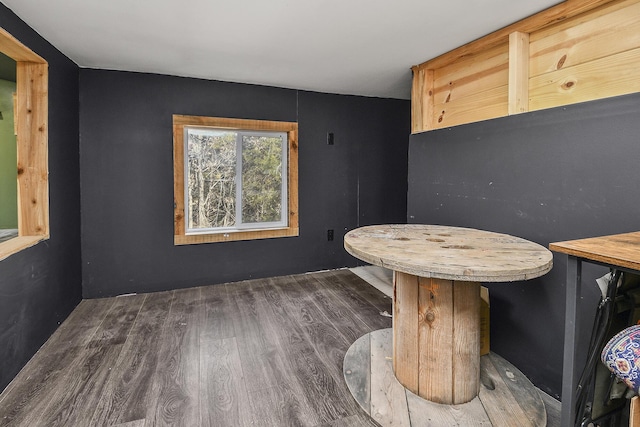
(255,353)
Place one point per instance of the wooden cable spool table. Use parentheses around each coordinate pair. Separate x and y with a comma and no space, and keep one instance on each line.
(436,314)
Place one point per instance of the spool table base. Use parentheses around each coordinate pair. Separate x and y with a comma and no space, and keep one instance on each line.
(506,398)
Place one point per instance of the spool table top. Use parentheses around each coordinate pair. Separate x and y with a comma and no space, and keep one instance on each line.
(452,253)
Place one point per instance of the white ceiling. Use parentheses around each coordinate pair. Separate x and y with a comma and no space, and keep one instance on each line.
(359,47)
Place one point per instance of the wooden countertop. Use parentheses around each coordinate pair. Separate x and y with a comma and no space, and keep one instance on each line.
(451,253)
(622,250)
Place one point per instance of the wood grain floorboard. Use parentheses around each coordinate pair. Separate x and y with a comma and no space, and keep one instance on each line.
(126,393)
(23,402)
(258,353)
(303,369)
(176,402)
(362,288)
(339,311)
(218,312)
(277,406)
(262,352)
(315,378)
(84,382)
(349,293)
(326,340)
(224,397)
(343,313)
(265,365)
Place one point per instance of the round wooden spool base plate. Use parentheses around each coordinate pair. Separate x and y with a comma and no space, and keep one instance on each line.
(507,398)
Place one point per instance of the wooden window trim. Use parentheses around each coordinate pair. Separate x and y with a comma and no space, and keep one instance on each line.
(31,116)
(180,236)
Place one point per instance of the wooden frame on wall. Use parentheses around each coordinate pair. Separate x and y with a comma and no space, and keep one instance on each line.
(181,237)
(576,51)
(31,117)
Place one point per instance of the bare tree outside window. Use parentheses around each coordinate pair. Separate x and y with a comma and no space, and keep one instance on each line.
(234,179)
(226,189)
(212,175)
(261,179)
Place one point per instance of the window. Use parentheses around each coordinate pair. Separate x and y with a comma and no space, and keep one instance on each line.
(234,179)
(8,151)
(31,129)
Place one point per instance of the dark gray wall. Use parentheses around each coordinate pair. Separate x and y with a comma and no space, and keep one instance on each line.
(127,179)
(553,175)
(41,285)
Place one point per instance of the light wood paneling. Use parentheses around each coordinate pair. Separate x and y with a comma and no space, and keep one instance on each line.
(518,72)
(609,76)
(476,73)
(558,13)
(574,52)
(477,107)
(603,32)
(422,99)
(470,90)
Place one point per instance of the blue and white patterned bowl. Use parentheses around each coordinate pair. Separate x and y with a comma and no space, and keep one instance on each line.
(622,356)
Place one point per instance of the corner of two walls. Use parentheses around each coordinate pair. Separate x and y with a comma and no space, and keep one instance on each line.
(550,175)
(41,285)
(127,179)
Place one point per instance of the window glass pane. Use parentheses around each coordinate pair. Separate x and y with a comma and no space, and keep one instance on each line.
(215,158)
(211,178)
(261,178)
(8,151)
